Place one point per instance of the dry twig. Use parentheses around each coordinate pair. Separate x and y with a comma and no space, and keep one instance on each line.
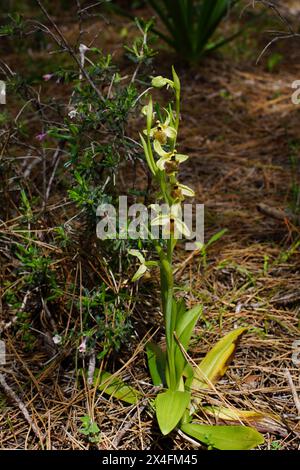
(12,395)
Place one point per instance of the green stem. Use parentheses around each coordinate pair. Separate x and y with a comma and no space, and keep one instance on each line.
(170,250)
(177,110)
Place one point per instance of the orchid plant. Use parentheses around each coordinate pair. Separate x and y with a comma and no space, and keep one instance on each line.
(180,383)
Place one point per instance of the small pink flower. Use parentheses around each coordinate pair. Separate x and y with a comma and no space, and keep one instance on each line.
(82,346)
(40,137)
(47,77)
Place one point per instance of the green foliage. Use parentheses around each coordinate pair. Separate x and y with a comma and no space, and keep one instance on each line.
(88,124)
(276,445)
(156,363)
(15,25)
(3,118)
(224,437)
(90,429)
(174,405)
(216,361)
(204,249)
(93,133)
(140,52)
(285,255)
(36,269)
(274,60)
(191,24)
(106,324)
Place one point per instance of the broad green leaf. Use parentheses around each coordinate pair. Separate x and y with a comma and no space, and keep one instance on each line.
(186,322)
(170,407)
(115,387)
(224,437)
(188,371)
(170,313)
(181,308)
(216,361)
(156,363)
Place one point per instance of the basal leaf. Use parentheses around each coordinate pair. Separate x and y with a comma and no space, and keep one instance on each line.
(185,326)
(224,437)
(216,361)
(170,407)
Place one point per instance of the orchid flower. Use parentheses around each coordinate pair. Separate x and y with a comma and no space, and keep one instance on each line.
(180,191)
(172,222)
(163,131)
(168,157)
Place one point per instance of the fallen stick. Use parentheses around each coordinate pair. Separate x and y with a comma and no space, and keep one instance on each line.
(293,390)
(11,394)
(277,213)
(129,424)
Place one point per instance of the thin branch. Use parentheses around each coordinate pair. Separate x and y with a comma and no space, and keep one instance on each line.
(70,50)
(289,34)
